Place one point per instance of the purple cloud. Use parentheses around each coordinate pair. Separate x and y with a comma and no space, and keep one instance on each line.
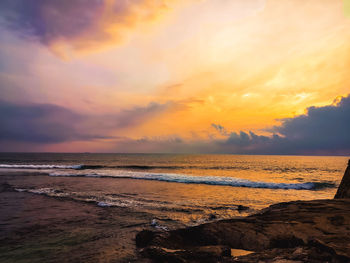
(48,123)
(40,123)
(75,24)
(47,20)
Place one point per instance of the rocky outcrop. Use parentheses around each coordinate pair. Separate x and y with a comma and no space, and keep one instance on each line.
(299,231)
(319,227)
(344,187)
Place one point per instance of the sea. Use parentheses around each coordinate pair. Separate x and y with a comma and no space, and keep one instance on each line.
(175,189)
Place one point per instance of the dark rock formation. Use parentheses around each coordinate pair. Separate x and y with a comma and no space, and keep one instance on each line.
(204,254)
(344,187)
(313,226)
(299,231)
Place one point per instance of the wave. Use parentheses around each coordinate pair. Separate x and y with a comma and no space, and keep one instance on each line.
(188,179)
(40,166)
(106,200)
(97,167)
(157,167)
(133,167)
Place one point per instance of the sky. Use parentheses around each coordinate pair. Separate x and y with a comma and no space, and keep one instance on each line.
(175,76)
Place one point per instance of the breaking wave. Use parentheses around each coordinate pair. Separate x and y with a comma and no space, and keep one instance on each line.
(142,172)
(40,166)
(188,179)
(168,167)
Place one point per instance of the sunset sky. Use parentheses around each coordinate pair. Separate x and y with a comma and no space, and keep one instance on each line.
(193,76)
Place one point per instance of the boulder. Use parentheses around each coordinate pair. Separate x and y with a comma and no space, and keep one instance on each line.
(344,187)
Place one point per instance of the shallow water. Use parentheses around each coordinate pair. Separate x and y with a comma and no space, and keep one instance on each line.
(176,189)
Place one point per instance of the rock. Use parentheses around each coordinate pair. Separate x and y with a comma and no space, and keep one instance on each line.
(144,238)
(298,251)
(283,228)
(206,254)
(298,231)
(242,208)
(344,187)
(285,241)
(212,217)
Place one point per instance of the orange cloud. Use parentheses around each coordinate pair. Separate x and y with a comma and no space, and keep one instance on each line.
(113,26)
(69,26)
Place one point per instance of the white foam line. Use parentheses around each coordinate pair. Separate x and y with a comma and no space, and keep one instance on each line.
(180,178)
(39,166)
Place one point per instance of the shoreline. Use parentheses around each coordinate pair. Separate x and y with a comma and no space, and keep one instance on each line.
(39,228)
(93,234)
(296,231)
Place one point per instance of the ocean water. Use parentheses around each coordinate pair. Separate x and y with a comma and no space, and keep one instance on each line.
(175,189)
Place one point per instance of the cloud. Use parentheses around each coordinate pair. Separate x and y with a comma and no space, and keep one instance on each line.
(321,128)
(39,123)
(219,128)
(48,20)
(130,117)
(48,123)
(80,24)
(321,131)
(138,114)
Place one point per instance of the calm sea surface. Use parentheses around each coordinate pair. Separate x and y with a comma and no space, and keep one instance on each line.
(175,189)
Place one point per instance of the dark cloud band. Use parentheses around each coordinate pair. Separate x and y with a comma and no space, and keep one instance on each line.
(48,123)
(322,130)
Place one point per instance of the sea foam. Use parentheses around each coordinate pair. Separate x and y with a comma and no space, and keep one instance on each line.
(40,166)
(80,170)
(189,179)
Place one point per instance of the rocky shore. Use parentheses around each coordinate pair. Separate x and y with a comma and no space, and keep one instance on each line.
(299,231)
